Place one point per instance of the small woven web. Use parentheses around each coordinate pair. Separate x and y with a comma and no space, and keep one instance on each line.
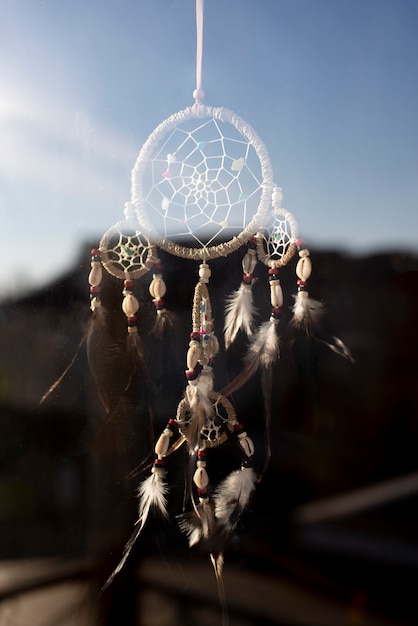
(126,253)
(277,240)
(204,183)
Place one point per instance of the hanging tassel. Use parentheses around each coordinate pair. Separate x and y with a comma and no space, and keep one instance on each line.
(96,334)
(152,494)
(233,496)
(198,524)
(203,347)
(96,319)
(239,308)
(307,312)
(135,349)
(265,348)
(158,290)
(217,560)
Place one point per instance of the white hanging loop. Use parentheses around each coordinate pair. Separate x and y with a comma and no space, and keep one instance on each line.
(198,93)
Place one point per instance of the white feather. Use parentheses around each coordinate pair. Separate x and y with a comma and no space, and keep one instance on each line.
(152,493)
(198,524)
(197,397)
(265,347)
(307,312)
(232,497)
(239,313)
(201,410)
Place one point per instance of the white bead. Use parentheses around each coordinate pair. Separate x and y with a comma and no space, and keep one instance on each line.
(162,445)
(201,478)
(277,197)
(130,305)
(157,287)
(204,273)
(96,274)
(304,268)
(276,294)
(95,304)
(198,94)
(249,262)
(194,353)
(247,445)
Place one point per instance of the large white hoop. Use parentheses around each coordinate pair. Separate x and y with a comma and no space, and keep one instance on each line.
(151,216)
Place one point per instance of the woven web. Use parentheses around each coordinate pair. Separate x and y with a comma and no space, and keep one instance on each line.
(204,183)
(126,253)
(277,239)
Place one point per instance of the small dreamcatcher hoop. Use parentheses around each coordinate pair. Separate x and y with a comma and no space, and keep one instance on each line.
(276,243)
(126,252)
(202,182)
(214,432)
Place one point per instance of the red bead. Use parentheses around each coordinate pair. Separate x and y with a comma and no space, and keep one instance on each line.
(276,309)
(95,289)
(301,283)
(273,270)
(159,302)
(132,318)
(128,284)
(159,463)
(194,336)
(95,252)
(247,278)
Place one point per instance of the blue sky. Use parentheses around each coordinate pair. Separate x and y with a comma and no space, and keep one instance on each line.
(331,86)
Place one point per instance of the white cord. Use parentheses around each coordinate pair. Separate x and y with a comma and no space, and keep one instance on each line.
(198,93)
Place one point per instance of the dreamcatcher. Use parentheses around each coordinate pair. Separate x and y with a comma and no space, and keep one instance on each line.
(202,188)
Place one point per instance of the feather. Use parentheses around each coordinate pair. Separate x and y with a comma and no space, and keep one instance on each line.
(64,373)
(199,523)
(152,493)
(307,316)
(233,496)
(165,320)
(264,349)
(126,552)
(201,409)
(239,313)
(135,351)
(307,313)
(218,562)
(336,345)
(97,338)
